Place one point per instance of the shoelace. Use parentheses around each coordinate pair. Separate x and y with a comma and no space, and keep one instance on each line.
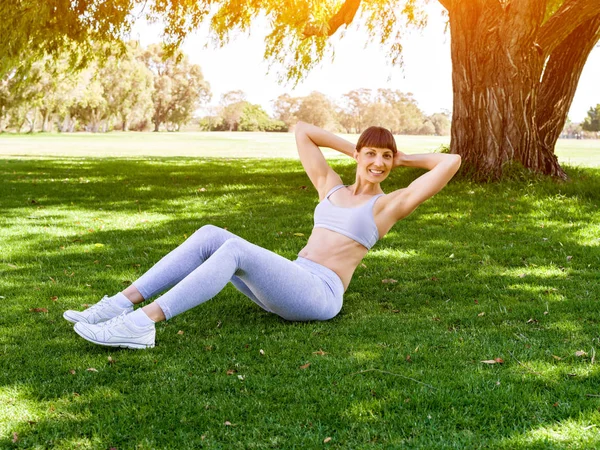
(113,321)
(101,303)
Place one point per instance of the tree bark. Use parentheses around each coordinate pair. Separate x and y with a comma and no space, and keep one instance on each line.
(560,79)
(496,72)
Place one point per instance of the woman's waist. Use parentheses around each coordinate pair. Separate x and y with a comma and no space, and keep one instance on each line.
(339,255)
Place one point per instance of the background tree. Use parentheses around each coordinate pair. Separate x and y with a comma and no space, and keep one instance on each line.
(441,123)
(285,108)
(179,87)
(592,121)
(318,109)
(130,87)
(354,108)
(233,104)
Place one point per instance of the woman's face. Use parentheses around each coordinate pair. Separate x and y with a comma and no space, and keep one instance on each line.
(374,163)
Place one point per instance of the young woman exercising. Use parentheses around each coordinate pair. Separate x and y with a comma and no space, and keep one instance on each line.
(348,221)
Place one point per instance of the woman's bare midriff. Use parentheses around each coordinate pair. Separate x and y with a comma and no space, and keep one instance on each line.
(334,251)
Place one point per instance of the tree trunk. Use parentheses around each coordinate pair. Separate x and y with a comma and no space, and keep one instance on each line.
(560,80)
(496,72)
(45,116)
(33,121)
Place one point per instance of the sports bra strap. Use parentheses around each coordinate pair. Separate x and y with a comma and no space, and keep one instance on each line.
(333,189)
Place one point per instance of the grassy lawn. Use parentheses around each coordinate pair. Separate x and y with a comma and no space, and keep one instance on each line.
(505,271)
(227,145)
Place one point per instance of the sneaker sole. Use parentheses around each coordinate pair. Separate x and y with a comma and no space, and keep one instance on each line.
(114,344)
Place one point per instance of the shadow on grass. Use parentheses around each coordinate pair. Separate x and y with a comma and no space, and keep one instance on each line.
(504,271)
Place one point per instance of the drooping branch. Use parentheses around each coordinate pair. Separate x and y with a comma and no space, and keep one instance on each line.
(561,77)
(344,16)
(562,23)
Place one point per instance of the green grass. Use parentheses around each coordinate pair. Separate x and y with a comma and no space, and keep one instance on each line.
(506,270)
(225,144)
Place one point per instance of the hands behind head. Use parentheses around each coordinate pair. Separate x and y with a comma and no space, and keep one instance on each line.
(399,158)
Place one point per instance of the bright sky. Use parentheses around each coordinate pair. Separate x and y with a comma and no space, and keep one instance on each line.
(426,72)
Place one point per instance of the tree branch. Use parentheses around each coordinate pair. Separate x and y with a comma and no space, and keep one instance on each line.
(560,80)
(344,16)
(562,23)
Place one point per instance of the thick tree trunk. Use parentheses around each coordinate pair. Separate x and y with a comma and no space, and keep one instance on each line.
(496,71)
(560,79)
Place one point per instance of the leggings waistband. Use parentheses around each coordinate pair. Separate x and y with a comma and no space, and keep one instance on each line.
(332,279)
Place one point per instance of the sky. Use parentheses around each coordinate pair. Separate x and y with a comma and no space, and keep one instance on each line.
(426,72)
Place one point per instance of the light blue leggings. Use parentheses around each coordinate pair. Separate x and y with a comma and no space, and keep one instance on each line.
(202,266)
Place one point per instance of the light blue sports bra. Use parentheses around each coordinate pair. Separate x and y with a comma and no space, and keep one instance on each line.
(356,223)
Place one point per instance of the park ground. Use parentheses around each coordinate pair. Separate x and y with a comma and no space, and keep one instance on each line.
(475,323)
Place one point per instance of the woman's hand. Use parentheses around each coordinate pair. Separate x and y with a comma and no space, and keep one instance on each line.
(399,159)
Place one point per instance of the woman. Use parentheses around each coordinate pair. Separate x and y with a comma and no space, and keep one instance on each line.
(348,222)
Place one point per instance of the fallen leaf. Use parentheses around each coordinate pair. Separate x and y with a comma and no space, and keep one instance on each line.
(434,279)
(363,265)
(54,298)
(180,332)
(202,190)
(532,320)
(580,353)
(110,360)
(298,234)
(231,371)
(555,404)
(493,361)
(558,358)
(261,351)
(227,423)
(523,275)
(408,358)
(326,440)
(303,188)
(12,266)
(389,280)
(320,353)
(569,258)
(38,310)
(72,371)
(481,314)
(91,369)
(241,377)
(451,256)
(15,438)
(305,366)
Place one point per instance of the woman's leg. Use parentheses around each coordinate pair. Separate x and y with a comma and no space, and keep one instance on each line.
(167,272)
(284,287)
(179,263)
(280,285)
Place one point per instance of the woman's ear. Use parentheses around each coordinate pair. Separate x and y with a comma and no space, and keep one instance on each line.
(355,156)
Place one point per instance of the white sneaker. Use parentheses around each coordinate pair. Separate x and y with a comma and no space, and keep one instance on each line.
(100,312)
(117,332)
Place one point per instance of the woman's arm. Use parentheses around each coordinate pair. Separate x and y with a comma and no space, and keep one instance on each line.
(441,168)
(308,140)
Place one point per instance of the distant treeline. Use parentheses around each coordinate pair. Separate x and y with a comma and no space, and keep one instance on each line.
(136,88)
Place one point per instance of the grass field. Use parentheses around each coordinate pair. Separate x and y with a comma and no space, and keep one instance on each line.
(506,271)
(223,144)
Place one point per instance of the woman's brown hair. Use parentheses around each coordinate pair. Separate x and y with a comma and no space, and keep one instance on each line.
(377,137)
